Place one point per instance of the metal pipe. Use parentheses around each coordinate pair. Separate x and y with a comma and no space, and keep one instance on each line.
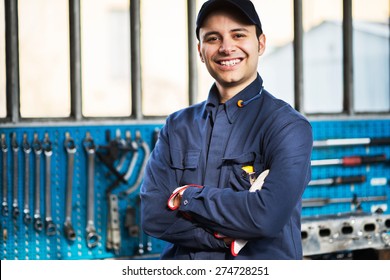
(75,59)
(192,53)
(135,38)
(12,59)
(348,57)
(298,56)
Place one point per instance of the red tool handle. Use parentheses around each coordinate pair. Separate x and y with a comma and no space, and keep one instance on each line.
(358,160)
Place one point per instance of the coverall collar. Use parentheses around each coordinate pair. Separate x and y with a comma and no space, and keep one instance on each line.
(231,107)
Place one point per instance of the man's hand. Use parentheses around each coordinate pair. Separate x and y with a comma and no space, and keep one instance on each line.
(177,199)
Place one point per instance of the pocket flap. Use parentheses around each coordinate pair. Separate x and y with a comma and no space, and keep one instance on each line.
(184,159)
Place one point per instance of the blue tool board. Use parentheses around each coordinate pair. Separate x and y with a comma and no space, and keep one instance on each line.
(22,241)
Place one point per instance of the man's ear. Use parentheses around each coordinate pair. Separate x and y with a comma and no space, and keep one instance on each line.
(262,41)
(200,54)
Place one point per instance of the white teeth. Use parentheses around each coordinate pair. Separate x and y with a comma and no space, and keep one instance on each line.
(230,62)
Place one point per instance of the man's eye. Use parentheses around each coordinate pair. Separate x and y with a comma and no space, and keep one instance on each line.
(239,35)
(211,39)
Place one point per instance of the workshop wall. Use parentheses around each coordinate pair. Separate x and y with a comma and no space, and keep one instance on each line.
(120,152)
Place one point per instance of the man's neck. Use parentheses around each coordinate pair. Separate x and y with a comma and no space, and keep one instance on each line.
(228,92)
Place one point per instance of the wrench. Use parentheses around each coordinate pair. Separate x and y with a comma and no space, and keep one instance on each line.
(70,148)
(4,149)
(92,237)
(27,151)
(48,151)
(15,149)
(37,148)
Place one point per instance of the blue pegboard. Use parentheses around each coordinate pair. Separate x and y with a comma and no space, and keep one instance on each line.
(323,130)
(21,241)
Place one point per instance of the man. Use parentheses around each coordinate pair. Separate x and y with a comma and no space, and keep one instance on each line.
(195,193)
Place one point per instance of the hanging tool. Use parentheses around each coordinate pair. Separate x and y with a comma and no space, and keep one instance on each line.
(113,241)
(132,144)
(15,150)
(350,160)
(319,202)
(70,148)
(51,228)
(26,151)
(37,148)
(90,148)
(137,183)
(4,149)
(351,142)
(140,249)
(339,180)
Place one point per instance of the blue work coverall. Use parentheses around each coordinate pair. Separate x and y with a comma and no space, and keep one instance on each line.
(208,144)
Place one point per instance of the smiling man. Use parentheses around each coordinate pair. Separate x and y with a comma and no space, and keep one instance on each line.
(197,191)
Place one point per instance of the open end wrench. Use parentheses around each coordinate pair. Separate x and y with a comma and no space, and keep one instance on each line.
(15,203)
(37,148)
(27,151)
(90,148)
(4,149)
(51,228)
(70,148)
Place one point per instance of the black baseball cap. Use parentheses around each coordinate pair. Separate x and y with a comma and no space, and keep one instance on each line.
(245,6)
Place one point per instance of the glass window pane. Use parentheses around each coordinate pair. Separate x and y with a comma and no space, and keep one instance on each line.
(3,106)
(164,56)
(276,66)
(277,62)
(44,58)
(105,54)
(205,81)
(323,56)
(371,55)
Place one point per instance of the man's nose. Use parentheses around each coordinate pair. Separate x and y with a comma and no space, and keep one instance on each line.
(227,46)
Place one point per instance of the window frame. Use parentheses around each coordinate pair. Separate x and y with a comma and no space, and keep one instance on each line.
(12,67)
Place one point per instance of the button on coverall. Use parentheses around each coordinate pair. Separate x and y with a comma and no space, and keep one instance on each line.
(208,144)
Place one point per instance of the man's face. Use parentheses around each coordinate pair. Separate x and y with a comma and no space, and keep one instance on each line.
(230,49)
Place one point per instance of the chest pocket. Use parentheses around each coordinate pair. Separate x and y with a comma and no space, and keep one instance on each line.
(237,178)
(185,164)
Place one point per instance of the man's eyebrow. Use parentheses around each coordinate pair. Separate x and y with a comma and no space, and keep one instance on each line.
(211,33)
(241,29)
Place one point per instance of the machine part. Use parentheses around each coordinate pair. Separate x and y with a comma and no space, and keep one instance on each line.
(26,151)
(338,181)
(113,241)
(15,150)
(349,231)
(37,148)
(319,202)
(351,142)
(92,236)
(4,149)
(350,160)
(51,228)
(70,148)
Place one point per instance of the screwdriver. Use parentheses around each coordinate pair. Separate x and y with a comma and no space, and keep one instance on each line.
(351,142)
(339,180)
(350,160)
(318,202)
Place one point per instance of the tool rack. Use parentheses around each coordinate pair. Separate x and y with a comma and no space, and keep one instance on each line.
(369,219)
